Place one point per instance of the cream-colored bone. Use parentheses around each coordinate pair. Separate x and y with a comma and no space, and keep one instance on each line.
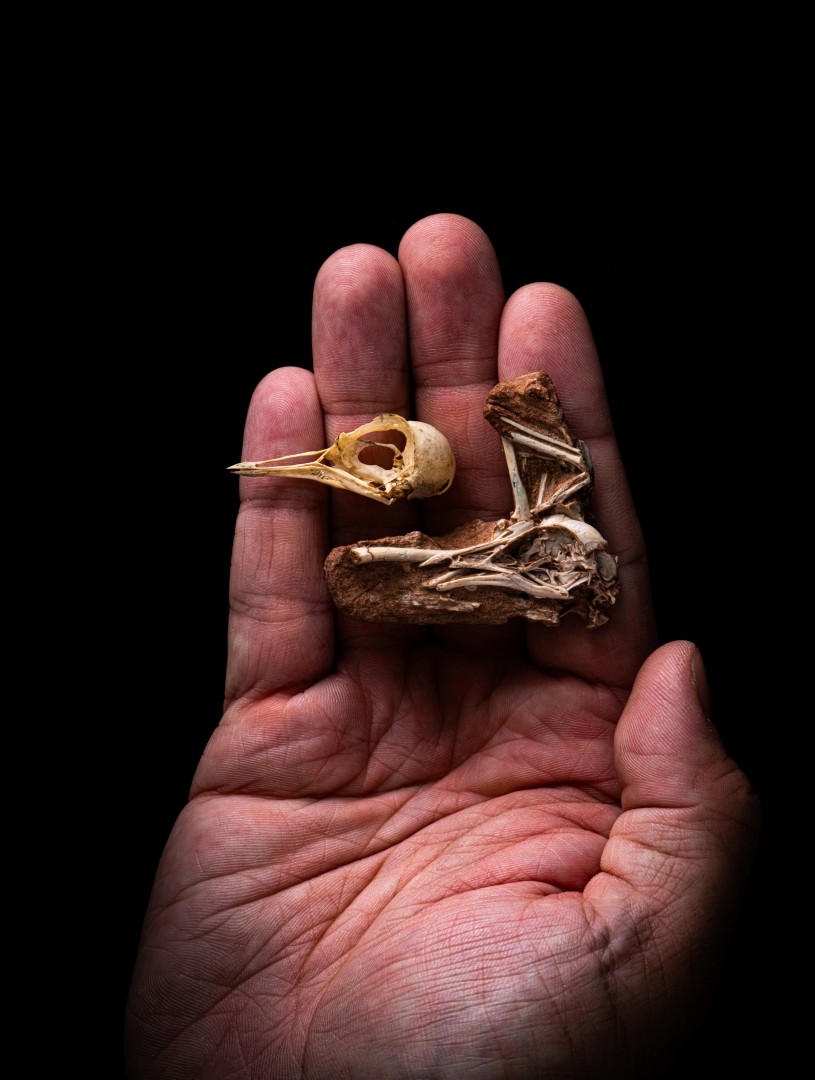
(481,564)
(423,468)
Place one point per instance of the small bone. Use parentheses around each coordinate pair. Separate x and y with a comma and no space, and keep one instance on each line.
(518,490)
(511,581)
(544,445)
(588,536)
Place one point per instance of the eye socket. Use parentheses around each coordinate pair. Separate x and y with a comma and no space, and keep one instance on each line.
(381,456)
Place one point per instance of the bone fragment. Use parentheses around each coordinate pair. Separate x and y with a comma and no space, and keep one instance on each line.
(541,563)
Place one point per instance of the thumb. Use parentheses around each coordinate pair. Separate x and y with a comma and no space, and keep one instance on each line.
(678,858)
(668,753)
(690,819)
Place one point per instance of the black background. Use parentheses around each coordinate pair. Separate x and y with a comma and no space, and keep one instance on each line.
(217,290)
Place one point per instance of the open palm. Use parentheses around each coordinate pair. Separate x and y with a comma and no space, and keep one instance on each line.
(416,851)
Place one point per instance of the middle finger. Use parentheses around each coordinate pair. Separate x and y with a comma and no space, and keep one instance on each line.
(455,297)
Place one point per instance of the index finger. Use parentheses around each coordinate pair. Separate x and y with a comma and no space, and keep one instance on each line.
(280,614)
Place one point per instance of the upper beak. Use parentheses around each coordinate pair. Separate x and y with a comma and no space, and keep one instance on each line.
(268,468)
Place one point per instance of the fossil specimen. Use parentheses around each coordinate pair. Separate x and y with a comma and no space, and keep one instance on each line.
(541,563)
(421,462)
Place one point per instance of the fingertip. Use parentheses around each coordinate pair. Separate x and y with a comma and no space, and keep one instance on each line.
(440,230)
(665,740)
(284,418)
(544,325)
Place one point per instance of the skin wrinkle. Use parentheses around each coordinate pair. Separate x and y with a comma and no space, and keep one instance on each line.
(612,959)
(342,908)
(370,929)
(416,835)
(397,805)
(407,753)
(284,495)
(256,689)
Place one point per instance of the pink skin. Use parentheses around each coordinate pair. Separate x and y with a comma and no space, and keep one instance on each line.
(438,852)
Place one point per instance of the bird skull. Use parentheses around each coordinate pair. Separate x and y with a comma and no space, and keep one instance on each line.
(422,467)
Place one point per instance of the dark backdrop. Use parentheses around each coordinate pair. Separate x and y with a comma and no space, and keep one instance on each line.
(218,291)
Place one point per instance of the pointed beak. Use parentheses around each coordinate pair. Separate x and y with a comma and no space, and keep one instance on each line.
(248,468)
(269,468)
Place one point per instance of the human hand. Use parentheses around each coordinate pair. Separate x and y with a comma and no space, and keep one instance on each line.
(433,851)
